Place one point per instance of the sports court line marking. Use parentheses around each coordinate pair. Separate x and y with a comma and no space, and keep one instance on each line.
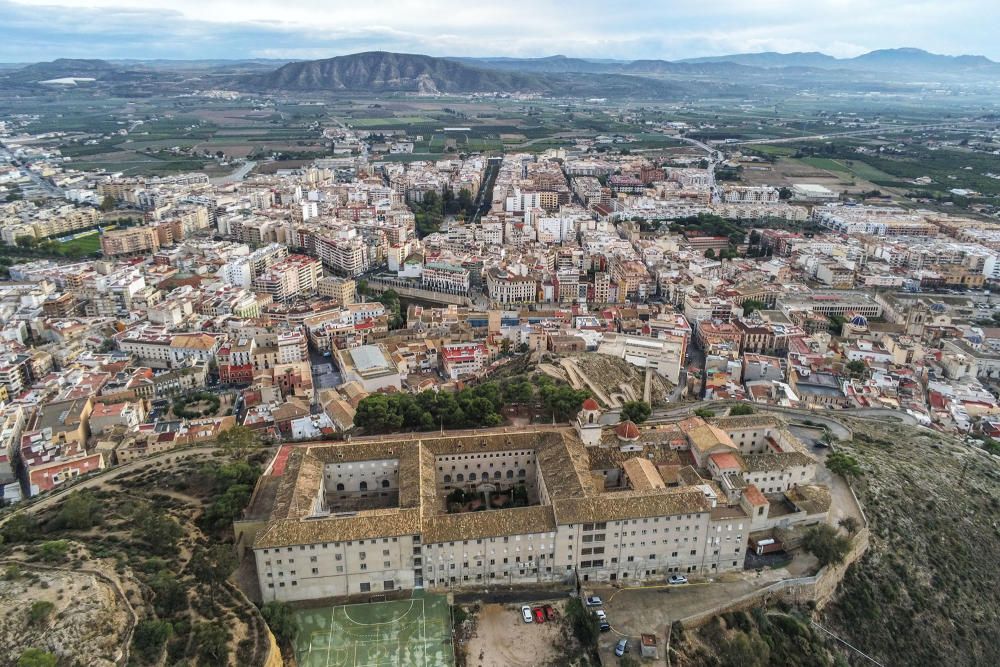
(390,622)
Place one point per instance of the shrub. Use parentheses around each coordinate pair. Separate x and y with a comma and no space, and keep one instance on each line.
(36,657)
(54,550)
(39,612)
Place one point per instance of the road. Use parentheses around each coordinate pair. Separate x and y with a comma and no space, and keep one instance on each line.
(43,183)
(237,175)
(714,157)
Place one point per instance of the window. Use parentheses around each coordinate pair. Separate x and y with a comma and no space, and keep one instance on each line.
(388,584)
(385,484)
(340,487)
(366,587)
(447,479)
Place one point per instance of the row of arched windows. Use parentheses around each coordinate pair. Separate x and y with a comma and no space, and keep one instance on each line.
(486,476)
(364,485)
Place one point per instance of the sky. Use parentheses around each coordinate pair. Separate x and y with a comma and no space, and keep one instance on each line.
(36,30)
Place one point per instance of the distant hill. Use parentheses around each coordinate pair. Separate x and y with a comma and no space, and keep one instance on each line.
(891,60)
(61,68)
(380,71)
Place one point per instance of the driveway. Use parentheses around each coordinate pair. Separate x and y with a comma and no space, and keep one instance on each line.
(652,609)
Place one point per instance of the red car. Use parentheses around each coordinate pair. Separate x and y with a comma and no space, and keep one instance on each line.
(550,613)
(539,615)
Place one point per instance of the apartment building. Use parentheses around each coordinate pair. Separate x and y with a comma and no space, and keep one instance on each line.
(131,242)
(341,290)
(296,276)
(506,287)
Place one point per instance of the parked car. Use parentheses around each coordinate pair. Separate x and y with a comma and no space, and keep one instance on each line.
(594,601)
(605,626)
(601,615)
(677,579)
(622,647)
(539,615)
(550,613)
(526,613)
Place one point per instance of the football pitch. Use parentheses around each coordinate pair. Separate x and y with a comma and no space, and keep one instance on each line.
(399,633)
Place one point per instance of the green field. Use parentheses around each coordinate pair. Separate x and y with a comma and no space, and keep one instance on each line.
(400,633)
(826,163)
(391,121)
(85,244)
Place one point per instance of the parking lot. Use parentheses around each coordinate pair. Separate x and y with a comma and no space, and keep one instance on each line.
(652,609)
(503,639)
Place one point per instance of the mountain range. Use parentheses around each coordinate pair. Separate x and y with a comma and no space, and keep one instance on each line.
(736,75)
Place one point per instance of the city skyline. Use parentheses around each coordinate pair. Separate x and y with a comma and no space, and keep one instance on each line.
(34,30)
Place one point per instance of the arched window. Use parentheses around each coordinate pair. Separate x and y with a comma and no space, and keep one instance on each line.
(472,477)
(459,477)
(510,474)
(385,484)
(496,475)
(522,472)
(447,479)
(340,487)
(590,418)
(364,486)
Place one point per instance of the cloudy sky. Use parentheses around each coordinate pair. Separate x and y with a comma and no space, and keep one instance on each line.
(32,30)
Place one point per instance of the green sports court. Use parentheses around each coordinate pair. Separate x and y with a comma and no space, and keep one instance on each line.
(400,633)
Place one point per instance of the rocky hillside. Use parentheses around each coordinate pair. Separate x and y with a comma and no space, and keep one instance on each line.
(379,71)
(925,593)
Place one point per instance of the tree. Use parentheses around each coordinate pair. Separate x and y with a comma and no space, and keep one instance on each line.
(710,253)
(636,411)
(843,464)
(751,305)
(239,442)
(740,410)
(583,622)
(281,620)
(856,368)
(744,651)
(36,657)
(19,528)
(149,638)
(826,544)
(212,641)
(785,193)
(704,413)
(108,203)
(850,524)
(212,566)
(159,531)
(26,241)
(169,595)
(80,511)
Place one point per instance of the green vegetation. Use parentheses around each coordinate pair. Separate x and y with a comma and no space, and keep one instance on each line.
(636,411)
(704,413)
(281,619)
(740,410)
(924,593)
(205,404)
(390,299)
(175,547)
(845,465)
(758,638)
(471,407)
(583,623)
(40,612)
(826,544)
(36,657)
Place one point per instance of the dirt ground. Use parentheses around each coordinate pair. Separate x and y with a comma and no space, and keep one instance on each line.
(503,639)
